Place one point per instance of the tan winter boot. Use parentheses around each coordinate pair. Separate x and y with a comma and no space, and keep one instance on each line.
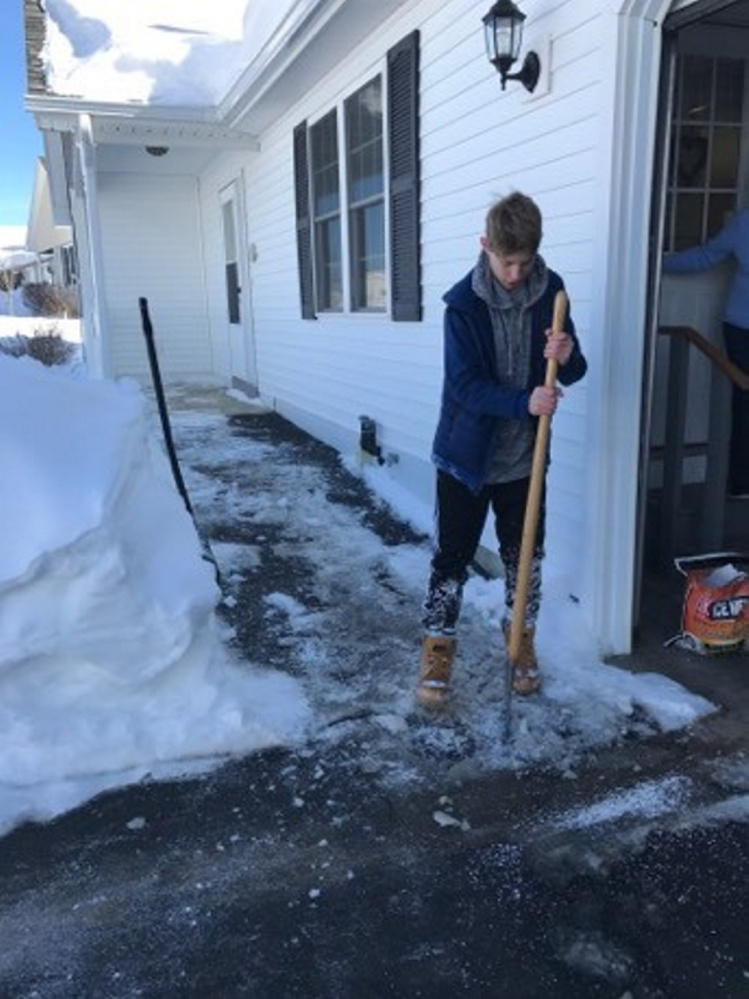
(525,675)
(437,652)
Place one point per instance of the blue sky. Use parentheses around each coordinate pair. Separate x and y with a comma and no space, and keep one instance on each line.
(21,142)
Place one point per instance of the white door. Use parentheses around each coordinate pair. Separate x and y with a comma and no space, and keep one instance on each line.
(237,290)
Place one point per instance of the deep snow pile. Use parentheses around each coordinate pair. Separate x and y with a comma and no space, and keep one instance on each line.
(112,662)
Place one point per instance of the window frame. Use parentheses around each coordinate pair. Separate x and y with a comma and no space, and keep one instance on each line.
(329,280)
(680,186)
(341,216)
(355,206)
(401,192)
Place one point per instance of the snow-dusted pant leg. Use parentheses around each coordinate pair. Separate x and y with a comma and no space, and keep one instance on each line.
(510,560)
(442,605)
(461,515)
(508,505)
(460,518)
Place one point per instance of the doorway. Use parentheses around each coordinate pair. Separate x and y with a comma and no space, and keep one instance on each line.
(702,178)
(240,333)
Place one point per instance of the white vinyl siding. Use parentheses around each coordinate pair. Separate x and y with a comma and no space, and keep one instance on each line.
(153,250)
(476,144)
(568,146)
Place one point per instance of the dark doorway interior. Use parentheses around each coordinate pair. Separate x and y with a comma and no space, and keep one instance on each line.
(702,177)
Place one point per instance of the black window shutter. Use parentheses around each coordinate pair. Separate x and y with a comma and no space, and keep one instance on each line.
(405,194)
(303,222)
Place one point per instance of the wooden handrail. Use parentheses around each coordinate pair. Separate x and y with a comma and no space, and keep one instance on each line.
(717,356)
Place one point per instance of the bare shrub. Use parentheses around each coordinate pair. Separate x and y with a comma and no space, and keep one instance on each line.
(9,281)
(45,346)
(46,299)
(15,346)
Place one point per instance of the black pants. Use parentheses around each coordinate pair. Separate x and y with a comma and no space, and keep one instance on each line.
(461,516)
(737,348)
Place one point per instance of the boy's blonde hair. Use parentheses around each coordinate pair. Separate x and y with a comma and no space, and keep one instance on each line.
(513,225)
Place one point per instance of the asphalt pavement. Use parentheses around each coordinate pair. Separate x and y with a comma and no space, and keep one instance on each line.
(298,873)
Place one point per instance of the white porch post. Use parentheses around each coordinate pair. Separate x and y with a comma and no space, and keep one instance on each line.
(618,311)
(98,343)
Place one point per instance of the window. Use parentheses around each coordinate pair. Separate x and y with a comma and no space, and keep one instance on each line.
(350,196)
(705,149)
(366,197)
(69,266)
(327,211)
(231,261)
(365,204)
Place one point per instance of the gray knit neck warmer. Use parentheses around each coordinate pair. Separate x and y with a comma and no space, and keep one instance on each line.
(511,326)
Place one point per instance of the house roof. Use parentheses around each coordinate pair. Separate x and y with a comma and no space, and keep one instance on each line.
(42,232)
(241,76)
(164,53)
(285,48)
(34,20)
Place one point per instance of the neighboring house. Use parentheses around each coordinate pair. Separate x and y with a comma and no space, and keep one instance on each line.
(264,269)
(17,265)
(52,243)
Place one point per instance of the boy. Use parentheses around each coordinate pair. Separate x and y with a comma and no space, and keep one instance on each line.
(497,338)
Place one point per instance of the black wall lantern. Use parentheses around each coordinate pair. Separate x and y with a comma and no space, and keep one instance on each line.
(503,33)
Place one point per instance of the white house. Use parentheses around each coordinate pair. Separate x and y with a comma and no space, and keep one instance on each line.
(52,243)
(296,236)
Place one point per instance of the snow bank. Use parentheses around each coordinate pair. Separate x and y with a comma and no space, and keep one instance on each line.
(111,656)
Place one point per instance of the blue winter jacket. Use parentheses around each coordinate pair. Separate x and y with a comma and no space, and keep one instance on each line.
(732,240)
(472,396)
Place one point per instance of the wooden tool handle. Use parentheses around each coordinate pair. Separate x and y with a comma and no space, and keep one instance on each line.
(533,502)
(557,325)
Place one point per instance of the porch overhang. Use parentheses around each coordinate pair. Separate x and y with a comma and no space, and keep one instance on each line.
(123,135)
(140,125)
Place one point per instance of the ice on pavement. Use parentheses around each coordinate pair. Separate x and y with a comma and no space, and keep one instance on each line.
(648,799)
(114,663)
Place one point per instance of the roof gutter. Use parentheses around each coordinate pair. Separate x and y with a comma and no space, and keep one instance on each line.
(130,124)
(306,19)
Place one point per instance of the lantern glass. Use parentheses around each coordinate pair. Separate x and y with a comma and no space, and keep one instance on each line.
(503,31)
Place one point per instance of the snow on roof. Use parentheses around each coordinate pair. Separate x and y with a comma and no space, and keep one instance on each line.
(164,52)
(17,260)
(12,237)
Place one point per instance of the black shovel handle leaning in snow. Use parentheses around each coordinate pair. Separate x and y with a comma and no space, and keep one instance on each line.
(158,387)
(166,427)
(538,470)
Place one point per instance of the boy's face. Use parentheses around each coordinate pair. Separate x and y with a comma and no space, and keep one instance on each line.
(510,269)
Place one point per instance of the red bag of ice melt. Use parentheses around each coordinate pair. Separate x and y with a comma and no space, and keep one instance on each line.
(715,612)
